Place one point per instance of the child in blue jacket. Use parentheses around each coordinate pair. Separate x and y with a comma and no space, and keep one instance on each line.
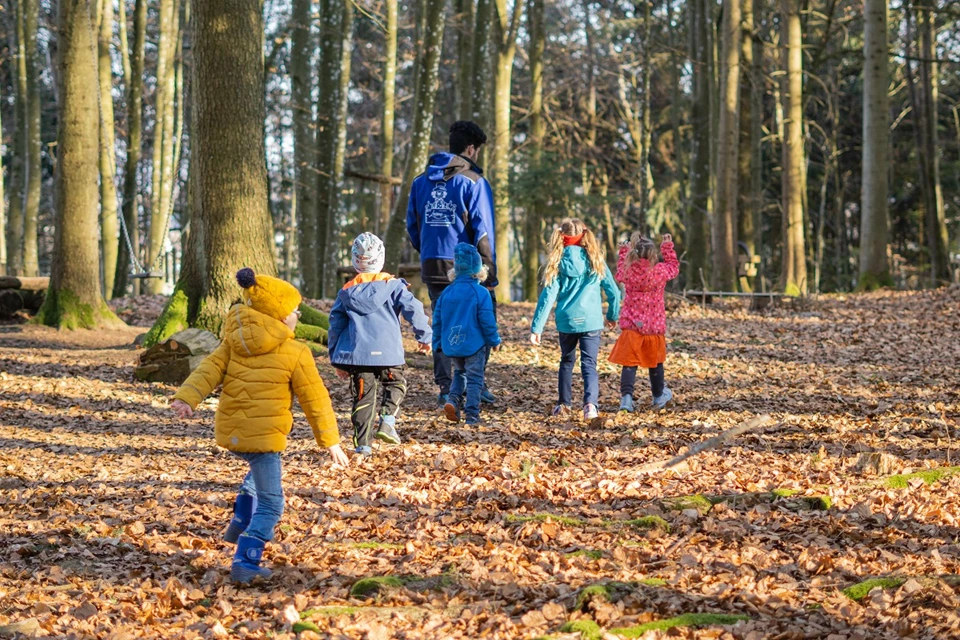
(573,278)
(465,328)
(366,345)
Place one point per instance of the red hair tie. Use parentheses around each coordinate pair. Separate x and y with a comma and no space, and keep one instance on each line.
(570,241)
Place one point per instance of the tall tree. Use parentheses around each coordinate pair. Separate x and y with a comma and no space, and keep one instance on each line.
(505,28)
(304,150)
(874,271)
(725,216)
(389,106)
(532,235)
(18,70)
(751,119)
(230,225)
(73,299)
(108,158)
(794,264)
(3,215)
(34,175)
(482,64)
(425,97)
(130,235)
(698,211)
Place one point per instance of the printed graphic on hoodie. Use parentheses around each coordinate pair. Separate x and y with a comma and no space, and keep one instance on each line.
(440,212)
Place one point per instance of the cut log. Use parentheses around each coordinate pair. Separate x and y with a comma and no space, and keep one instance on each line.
(175,358)
(27,284)
(10,302)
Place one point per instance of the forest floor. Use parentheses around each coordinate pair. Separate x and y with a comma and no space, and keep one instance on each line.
(112,508)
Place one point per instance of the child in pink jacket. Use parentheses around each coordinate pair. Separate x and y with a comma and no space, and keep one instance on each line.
(643,320)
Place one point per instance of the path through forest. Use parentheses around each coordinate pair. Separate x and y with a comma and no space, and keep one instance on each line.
(111,508)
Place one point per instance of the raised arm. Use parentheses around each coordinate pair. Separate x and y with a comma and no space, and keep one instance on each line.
(406,304)
(670,267)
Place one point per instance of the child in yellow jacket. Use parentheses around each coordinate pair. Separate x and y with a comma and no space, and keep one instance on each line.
(260,365)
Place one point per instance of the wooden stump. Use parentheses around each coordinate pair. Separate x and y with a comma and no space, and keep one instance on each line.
(175,358)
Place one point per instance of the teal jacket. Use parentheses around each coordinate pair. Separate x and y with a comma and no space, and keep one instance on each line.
(576,290)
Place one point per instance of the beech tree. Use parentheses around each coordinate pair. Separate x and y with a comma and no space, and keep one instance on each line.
(794,261)
(725,216)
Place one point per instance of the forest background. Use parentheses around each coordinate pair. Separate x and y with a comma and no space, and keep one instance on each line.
(798,146)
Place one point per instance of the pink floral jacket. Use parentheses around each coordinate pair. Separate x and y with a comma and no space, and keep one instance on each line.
(643,308)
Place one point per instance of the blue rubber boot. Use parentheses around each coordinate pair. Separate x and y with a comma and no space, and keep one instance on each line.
(243,508)
(246,561)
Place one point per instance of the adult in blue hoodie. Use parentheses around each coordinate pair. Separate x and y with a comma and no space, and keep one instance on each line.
(366,345)
(465,327)
(452,203)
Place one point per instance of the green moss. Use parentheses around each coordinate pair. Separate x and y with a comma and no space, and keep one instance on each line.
(587,594)
(593,554)
(699,502)
(311,333)
(172,319)
(654,582)
(684,620)
(783,493)
(588,629)
(792,290)
(929,476)
(544,517)
(648,522)
(817,503)
(613,591)
(376,545)
(305,625)
(309,315)
(874,281)
(860,590)
(366,587)
(63,309)
(330,611)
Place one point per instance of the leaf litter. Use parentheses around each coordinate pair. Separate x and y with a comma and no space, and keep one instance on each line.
(111,508)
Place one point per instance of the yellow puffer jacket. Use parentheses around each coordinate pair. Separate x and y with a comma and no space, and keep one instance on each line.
(260,366)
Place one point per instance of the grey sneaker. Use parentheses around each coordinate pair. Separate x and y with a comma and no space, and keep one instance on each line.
(363,451)
(590,412)
(387,432)
(561,410)
(626,403)
(663,399)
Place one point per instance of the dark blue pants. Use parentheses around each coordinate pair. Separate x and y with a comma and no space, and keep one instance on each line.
(628,381)
(441,363)
(468,380)
(589,344)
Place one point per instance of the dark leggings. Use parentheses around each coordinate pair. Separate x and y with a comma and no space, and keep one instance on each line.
(628,381)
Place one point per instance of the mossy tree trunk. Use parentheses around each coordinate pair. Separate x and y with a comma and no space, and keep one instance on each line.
(424,99)
(34,176)
(134,136)
(230,225)
(108,158)
(74,300)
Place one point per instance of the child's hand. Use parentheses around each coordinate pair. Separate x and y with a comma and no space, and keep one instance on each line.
(610,324)
(496,348)
(535,339)
(666,238)
(182,408)
(423,347)
(343,375)
(338,456)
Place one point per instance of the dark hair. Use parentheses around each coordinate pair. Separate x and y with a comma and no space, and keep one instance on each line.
(464,133)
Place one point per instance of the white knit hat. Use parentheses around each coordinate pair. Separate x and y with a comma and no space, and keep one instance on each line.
(367,253)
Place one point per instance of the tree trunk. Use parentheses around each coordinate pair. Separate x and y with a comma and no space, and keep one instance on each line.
(339,151)
(424,101)
(331,17)
(230,223)
(794,265)
(698,213)
(748,154)
(482,66)
(645,178)
(874,271)
(465,62)
(14,262)
(34,175)
(533,223)
(304,149)
(161,185)
(73,299)
(130,233)
(505,30)
(3,216)
(725,217)
(108,158)
(389,105)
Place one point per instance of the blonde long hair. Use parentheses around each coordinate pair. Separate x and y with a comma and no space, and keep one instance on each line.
(641,248)
(573,227)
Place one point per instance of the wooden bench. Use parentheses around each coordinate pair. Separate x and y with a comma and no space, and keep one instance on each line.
(758,300)
(409,271)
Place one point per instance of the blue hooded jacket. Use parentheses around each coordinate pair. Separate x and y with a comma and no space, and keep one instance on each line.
(463,319)
(365,324)
(451,203)
(576,290)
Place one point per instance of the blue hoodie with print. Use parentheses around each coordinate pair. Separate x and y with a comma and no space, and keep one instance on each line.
(576,290)
(365,322)
(463,319)
(451,203)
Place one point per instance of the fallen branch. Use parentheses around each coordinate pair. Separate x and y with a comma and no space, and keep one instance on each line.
(706,445)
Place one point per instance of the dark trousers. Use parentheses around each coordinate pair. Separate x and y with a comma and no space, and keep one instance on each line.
(589,344)
(365,384)
(441,363)
(628,381)
(468,382)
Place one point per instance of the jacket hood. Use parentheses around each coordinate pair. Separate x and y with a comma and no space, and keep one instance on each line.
(252,333)
(444,165)
(573,263)
(368,297)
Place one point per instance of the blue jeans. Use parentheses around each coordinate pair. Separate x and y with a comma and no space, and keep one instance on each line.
(263,481)
(441,363)
(589,344)
(468,376)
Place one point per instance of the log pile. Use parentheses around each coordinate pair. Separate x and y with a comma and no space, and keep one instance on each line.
(173,359)
(17,294)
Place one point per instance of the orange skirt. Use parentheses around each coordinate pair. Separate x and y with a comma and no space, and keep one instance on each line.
(634,349)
